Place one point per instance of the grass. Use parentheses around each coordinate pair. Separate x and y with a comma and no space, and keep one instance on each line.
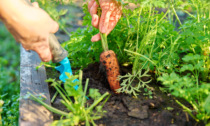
(9,77)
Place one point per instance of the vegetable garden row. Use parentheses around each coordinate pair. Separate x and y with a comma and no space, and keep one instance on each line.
(162,46)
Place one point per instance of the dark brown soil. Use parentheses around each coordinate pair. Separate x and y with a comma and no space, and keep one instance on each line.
(125,110)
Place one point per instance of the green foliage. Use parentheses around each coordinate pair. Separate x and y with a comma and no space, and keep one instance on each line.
(159,41)
(189,86)
(50,6)
(76,102)
(9,77)
(131,86)
(185,87)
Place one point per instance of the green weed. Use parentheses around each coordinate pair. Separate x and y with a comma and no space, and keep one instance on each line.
(76,102)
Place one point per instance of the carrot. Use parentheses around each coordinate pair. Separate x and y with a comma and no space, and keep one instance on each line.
(109,60)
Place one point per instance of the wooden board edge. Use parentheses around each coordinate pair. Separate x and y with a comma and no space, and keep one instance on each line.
(32,113)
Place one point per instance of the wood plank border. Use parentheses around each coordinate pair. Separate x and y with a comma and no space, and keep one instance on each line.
(33,81)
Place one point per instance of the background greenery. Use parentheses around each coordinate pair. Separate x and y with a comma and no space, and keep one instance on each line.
(9,77)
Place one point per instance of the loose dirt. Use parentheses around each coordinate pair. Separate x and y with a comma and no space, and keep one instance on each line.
(126,110)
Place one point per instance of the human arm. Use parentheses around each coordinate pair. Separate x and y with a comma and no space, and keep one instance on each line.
(111,13)
(29,25)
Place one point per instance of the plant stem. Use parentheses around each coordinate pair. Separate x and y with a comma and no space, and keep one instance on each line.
(103,35)
(138,25)
(177,17)
(54,96)
(49,107)
(164,16)
(140,55)
(96,102)
(85,91)
(65,99)
(187,110)
(104,41)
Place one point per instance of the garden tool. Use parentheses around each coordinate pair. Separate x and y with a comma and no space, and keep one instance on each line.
(59,56)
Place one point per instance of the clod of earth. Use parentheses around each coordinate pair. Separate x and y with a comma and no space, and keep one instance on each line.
(141,112)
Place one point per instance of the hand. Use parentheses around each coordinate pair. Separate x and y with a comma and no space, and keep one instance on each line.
(29,25)
(111,13)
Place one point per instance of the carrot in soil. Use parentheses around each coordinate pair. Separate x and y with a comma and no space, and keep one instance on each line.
(109,59)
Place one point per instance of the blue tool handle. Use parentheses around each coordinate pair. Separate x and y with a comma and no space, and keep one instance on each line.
(57,51)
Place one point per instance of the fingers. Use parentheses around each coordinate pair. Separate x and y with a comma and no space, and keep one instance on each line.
(114,18)
(95,20)
(90,4)
(54,26)
(93,8)
(43,50)
(45,55)
(96,38)
(104,21)
(111,13)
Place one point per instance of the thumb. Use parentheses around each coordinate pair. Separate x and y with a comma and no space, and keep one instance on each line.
(96,38)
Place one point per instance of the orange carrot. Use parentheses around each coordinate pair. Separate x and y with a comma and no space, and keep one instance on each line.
(109,60)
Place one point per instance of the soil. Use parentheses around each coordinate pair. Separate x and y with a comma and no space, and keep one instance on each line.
(123,109)
(126,110)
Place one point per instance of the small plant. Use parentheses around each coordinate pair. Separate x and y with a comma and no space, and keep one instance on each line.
(190,87)
(131,86)
(76,102)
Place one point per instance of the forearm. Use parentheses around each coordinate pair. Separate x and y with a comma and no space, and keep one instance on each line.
(9,9)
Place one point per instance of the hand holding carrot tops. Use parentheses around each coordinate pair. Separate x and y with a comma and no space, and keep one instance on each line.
(111,13)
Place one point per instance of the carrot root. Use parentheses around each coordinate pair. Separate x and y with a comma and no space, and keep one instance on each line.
(109,60)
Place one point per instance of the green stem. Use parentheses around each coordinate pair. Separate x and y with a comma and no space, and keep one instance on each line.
(86,85)
(54,96)
(139,19)
(163,16)
(103,35)
(187,110)
(48,106)
(188,13)
(177,17)
(104,42)
(140,55)
(96,102)
(65,99)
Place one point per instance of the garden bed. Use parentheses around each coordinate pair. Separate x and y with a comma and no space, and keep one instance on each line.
(125,110)
(156,108)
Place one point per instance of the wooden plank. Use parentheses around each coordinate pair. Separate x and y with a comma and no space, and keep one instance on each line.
(33,81)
